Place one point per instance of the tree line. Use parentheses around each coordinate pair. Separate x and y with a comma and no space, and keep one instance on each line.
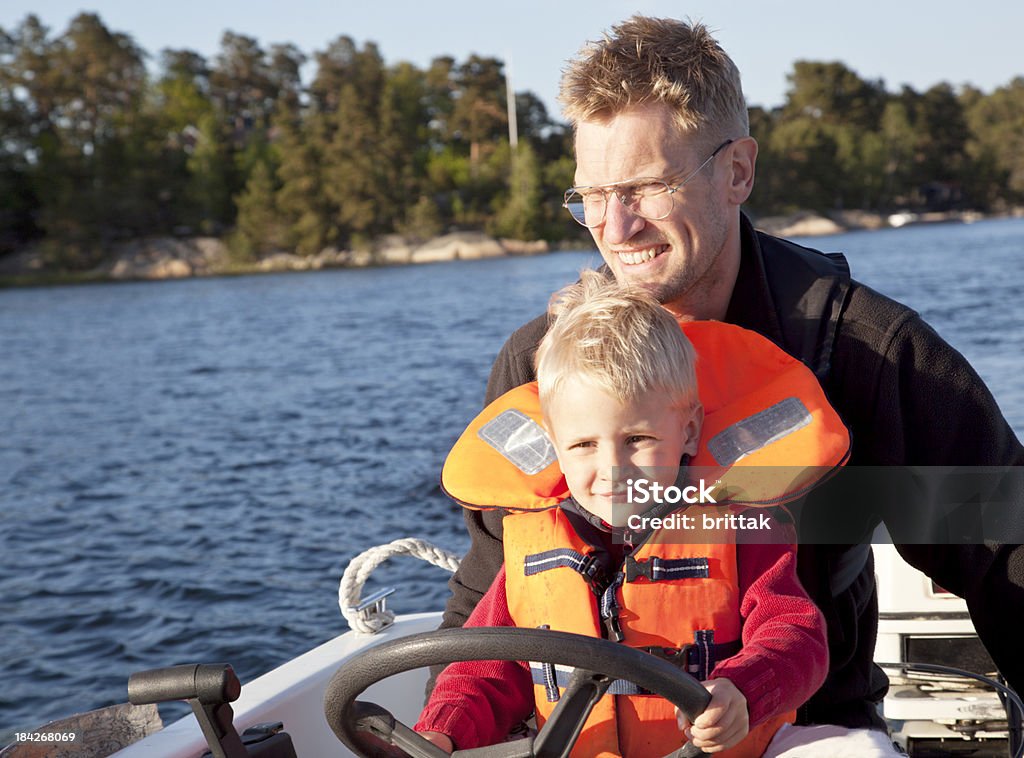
(842,142)
(96,148)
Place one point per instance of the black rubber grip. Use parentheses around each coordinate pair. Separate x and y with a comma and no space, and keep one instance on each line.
(209,683)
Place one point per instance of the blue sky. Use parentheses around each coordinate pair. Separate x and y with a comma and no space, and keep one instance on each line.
(901,41)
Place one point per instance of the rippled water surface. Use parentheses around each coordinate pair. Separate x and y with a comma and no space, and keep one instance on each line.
(186,467)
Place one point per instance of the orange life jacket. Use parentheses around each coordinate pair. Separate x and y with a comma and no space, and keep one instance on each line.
(769,435)
(688,601)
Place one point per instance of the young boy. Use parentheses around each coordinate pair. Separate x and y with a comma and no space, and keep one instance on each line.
(619,398)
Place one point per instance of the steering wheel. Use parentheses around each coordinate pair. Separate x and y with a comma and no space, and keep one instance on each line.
(370,730)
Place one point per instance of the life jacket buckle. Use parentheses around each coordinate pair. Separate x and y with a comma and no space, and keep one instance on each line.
(593,573)
(689,660)
(635,569)
(613,628)
(685,657)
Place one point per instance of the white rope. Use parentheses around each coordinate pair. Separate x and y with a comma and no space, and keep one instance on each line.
(360,568)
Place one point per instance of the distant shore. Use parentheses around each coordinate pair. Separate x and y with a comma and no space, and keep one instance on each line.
(159,258)
(811,224)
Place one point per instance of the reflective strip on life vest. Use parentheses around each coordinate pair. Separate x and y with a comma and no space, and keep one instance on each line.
(755,432)
(520,440)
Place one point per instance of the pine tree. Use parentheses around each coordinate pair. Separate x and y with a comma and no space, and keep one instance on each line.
(209,177)
(350,178)
(257,231)
(303,205)
(519,212)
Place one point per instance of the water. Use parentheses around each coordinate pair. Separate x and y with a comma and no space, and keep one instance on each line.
(186,467)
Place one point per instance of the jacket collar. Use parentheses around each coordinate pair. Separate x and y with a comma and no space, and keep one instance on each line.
(751,305)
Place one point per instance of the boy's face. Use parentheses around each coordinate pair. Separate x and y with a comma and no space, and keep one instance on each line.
(596,434)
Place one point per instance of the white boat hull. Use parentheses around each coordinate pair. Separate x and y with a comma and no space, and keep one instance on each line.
(293,694)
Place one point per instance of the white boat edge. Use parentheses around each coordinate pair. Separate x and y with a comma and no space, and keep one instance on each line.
(293,694)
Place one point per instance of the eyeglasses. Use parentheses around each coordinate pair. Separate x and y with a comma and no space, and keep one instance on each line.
(648,198)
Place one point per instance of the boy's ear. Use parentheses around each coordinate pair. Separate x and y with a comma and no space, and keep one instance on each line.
(692,424)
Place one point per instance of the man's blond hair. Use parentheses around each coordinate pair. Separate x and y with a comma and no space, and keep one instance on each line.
(616,339)
(648,60)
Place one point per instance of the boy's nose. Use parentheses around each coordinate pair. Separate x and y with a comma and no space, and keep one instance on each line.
(612,462)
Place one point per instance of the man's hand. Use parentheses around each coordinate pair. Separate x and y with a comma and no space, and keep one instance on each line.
(443,741)
(724,722)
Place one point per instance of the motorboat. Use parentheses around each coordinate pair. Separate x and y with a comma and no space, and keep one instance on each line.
(361,690)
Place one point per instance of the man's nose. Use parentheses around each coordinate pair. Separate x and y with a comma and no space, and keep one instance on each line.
(620,223)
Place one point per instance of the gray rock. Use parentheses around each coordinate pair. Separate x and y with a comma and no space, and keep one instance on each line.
(457,246)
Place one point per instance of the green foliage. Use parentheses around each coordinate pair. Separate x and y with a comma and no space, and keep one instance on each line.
(258,230)
(95,149)
(996,125)
(422,220)
(811,174)
(242,83)
(301,201)
(835,94)
(901,144)
(401,145)
(841,142)
(343,63)
(519,208)
(207,204)
(479,116)
(350,167)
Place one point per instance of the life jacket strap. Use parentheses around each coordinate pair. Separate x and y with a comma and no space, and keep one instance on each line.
(660,569)
(549,678)
(540,672)
(586,565)
(608,607)
(703,649)
(701,656)
(697,659)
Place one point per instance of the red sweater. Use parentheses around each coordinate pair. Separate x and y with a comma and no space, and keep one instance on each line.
(783,661)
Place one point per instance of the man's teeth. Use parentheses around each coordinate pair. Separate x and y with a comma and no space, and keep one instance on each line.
(633,257)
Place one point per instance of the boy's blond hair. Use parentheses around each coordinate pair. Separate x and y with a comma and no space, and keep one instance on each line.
(658,60)
(616,339)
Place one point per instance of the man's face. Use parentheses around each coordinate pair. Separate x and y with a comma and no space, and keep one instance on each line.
(687,260)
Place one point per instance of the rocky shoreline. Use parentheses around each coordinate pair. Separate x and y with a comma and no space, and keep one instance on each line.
(810,224)
(176,258)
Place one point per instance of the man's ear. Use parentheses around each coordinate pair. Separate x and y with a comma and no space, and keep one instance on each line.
(743,157)
(692,424)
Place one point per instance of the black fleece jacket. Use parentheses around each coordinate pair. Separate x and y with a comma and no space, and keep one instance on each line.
(907,397)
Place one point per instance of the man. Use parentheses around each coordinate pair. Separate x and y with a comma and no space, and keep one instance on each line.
(664,162)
